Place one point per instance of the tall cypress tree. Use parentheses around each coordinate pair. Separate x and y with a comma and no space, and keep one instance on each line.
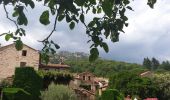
(155,63)
(147,63)
(166,65)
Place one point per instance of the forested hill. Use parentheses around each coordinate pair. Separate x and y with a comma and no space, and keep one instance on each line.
(103,68)
(79,63)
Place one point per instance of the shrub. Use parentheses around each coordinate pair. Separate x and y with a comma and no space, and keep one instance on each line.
(130,83)
(58,92)
(111,94)
(27,79)
(55,77)
(5,83)
(15,94)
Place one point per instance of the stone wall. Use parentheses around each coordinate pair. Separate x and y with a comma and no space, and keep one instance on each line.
(86,76)
(10,58)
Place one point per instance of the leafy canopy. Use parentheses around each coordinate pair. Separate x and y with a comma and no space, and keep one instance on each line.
(110,24)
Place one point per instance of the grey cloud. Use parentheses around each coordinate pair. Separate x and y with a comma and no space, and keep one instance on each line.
(147,35)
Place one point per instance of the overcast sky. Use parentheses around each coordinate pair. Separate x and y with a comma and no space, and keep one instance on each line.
(148,33)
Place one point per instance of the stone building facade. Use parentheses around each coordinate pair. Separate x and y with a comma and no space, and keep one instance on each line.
(10,58)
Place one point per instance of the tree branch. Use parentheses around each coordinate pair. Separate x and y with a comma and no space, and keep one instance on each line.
(2,34)
(9,17)
(54,29)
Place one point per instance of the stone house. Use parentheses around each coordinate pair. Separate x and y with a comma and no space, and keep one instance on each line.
(10,58)
(86,85)
(87,78)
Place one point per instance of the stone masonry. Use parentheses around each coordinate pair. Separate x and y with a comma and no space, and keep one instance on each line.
(10,58)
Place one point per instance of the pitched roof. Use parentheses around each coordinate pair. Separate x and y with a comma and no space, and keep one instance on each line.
(86,73)
(6,46)
(147,73)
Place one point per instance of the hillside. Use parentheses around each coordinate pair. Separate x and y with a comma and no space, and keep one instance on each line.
(101,67)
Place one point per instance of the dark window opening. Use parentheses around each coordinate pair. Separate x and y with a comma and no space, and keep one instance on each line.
(46,69)
(83,77)
(23,64)
(24,52)
(89,78)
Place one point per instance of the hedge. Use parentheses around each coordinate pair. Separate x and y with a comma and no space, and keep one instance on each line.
(15,94)
(27,79)
(55,77)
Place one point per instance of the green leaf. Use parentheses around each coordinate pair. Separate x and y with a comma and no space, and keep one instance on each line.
(126,2)
(15,13)
(82,18)
(124,18)
(114,36)
(44,18)
(52,50)
(94,10)
(94,53)
(126,24)
(7,37)
(68,19)
(95,39)
(56,46)
(107,7)
(23,31)
(22,19)
(151,3)
(60,17)
(99,10)
(18,45)
(130,8)
(122,12)
(17,31)
(105,47)
(91,24)
(31,3)
(72,25)
(45,57)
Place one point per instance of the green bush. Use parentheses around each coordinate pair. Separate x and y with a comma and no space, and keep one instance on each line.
(4,84)
(27,79)
(15,94)
(58,92)
(55,77)
(130,83)
(111,94)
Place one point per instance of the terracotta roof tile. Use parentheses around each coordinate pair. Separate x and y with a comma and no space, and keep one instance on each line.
(55,66)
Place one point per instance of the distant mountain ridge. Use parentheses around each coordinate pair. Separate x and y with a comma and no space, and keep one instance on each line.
(68,56)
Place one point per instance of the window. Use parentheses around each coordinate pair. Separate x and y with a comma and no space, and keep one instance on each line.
(83,77)
(23,64)
(89,78)
(24,52)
